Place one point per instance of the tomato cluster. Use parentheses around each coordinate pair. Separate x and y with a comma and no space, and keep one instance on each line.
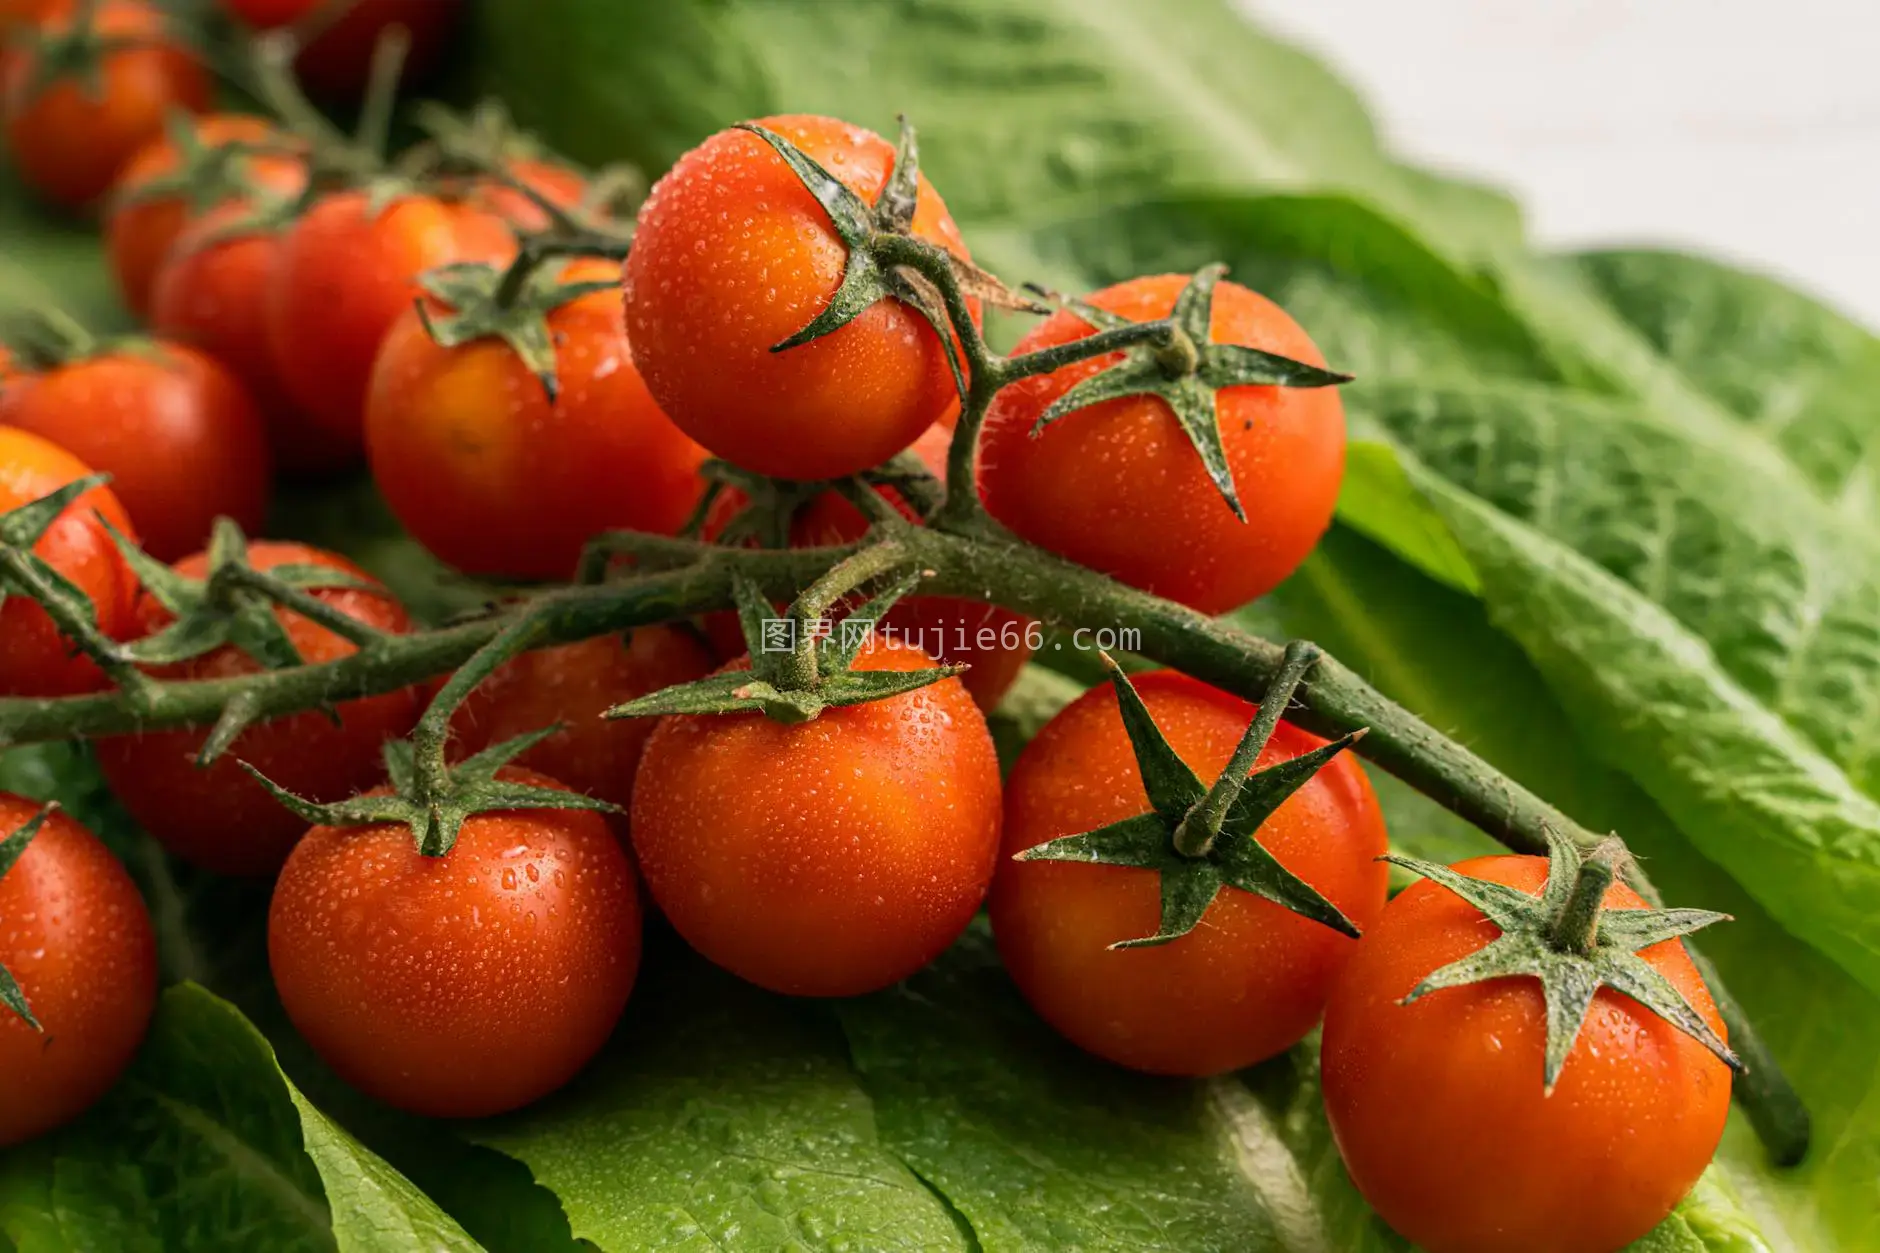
(811,840)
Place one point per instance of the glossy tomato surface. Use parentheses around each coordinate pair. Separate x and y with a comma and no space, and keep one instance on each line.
(464,985)
(828,858)
(494,477)
(35,659)
(1120,488)
(732,256)
(75,935)
(178,434)
(69,143)
(343,275)
(574,684)
(1439,1107)
(139,230)
(219,818)
(1247,983)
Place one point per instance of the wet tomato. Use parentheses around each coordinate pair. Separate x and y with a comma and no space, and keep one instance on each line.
(1439,1107)
(68,142)
(464,985)
(219,818)
(35,660)
(177,433)
(830,857)
(1248,982)
(76,937)
(1119,487)
(732,256)
(494,477)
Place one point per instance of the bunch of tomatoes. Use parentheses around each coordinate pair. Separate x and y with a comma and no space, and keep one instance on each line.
(300,324)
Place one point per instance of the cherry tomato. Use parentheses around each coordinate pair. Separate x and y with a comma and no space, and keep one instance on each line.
(1246,984)
(176,432)
(68,143)
(218,817)
(733,256)
(337,64)
(343,275)
(138,234)
(17,14)
(75,935)
(559,184)
(463,985)
(574,684)
(992,640)
(211,293)
(35,660)
(1439,1109)
(828,858)
(1120,488)
(495,478)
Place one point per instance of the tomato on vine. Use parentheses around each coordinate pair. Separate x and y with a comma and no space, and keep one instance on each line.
(169,184)
(1100,951)
(178,434)
(35,659)
(491,472)
(337,62)
(78,956)
(68,141)
(827,857)
(1593,1106)
(1212,504)
(463,985)
(734,257)
(574,684)
(215,816)
(343,274)
(993,641)
(560,185)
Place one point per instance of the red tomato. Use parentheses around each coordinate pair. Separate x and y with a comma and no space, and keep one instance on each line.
(1247,983)
(337,64)
(557,183)
(15,14)
(575,684)
(464,985)
(343,275)
(828,858)
(1118,486)
(69,144)
(75,935)
(494,478)
(35,660)
(218,817)
(1439,1108)
(176,432)
(138,235)
(994,641)
(212,293)
(733,256)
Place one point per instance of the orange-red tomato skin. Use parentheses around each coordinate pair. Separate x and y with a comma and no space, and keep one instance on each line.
(1438,1106)
(732,255)
(1246,984)
(495,478)
(75,935)
(219,818)
(465,985)
(179,435)
(1119,487)
(35,659)
(828,858)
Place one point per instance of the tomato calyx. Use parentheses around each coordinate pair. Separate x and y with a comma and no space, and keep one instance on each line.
(801,663)
(75,50)
(510,304)
(1198,838)
(1186,368)
(11,849)
(207,175)
(1568,940)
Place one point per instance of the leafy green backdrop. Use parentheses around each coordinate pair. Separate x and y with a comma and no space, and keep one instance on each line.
(1609,520)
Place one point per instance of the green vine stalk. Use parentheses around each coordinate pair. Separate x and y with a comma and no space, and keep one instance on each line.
(963,552)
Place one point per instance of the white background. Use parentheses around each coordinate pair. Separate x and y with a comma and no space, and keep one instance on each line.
(1743,128)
